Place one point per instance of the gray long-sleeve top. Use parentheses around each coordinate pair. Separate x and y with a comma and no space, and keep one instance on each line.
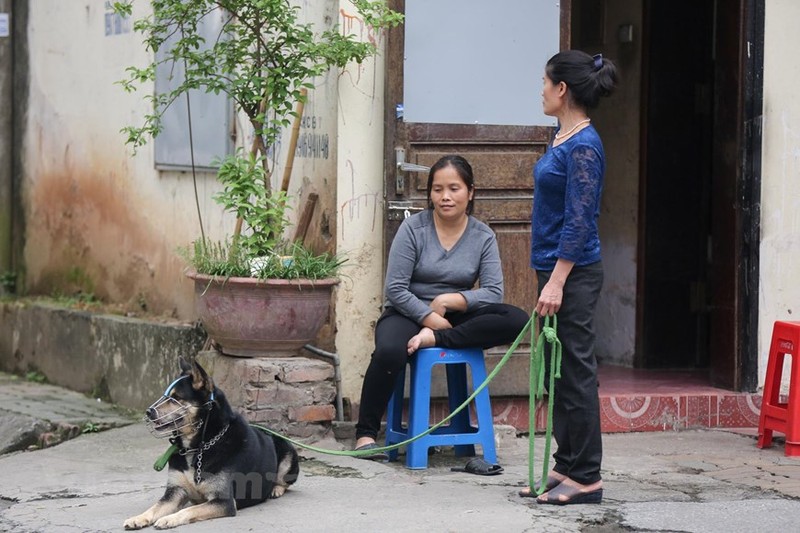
(419,268)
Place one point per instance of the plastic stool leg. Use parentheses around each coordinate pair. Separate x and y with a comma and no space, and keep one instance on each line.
(792,446)
(483,409)
(394,415)
(456,394)
(772,386)
(419,411)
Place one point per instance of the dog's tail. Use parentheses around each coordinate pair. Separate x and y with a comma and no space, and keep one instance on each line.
(288,463)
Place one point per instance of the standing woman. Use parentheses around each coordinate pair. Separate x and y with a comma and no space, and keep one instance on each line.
(435,261)
(565,252)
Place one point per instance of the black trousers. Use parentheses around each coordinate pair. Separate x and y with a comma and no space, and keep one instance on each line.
(576,405)
(491,325)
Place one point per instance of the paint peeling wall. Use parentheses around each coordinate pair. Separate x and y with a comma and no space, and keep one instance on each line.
(361,208)
(779,291)
(102,221)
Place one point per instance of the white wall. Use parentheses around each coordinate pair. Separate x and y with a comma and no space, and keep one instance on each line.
(779,291)
(97,219)
(102,220)
(360,207)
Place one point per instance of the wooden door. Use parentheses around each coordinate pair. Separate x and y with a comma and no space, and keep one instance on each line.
(727,233)
(502,157)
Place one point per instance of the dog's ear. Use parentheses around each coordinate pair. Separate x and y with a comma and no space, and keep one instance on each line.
(200,379)
(185,366)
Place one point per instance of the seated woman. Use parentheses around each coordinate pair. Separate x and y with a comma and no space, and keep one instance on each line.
(435,260)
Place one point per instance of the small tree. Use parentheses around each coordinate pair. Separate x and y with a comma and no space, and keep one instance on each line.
(263,60)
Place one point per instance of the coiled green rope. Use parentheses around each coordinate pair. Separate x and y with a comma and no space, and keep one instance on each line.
(537,373)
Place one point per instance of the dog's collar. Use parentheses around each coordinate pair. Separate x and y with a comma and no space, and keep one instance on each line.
(204,446)
(198,475)
(162,461)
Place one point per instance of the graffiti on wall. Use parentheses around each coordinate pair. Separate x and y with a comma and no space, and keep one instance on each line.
(360,206)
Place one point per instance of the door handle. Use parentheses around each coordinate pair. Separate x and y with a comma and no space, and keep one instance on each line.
(401,210)
(402,166)
(411,167)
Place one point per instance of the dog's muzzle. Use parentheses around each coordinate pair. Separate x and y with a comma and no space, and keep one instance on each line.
(166,417)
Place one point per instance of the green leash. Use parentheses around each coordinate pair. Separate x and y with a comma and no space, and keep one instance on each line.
(162,461)
(535,388)
(371,451)
(537,372)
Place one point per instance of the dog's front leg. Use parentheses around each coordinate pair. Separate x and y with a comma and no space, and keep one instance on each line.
(196,513)
(174,498)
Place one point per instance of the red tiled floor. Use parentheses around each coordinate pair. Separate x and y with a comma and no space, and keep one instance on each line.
(617,380)
(645,400)
(651,400)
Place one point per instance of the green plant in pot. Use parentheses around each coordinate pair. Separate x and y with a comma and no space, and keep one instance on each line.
(264,59)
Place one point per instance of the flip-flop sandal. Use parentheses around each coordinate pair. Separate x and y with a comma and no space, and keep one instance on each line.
(377,456)
(478,466)
(550,484)
(571,495)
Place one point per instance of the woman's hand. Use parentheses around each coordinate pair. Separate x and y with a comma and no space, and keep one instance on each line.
(450,301)
(550,300)
(436,321)
(553,291)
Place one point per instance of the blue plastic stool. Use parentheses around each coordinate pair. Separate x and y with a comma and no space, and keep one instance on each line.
(460,433)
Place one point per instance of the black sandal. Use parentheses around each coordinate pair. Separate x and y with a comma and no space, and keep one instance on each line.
(478,466)
(571,495)
(550,484)
(377,456)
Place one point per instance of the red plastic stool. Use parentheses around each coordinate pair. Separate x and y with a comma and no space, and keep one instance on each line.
(777,416)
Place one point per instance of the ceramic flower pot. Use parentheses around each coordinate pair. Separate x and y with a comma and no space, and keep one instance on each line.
(250,317)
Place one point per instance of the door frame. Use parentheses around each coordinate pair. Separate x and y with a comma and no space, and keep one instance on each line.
(750,190)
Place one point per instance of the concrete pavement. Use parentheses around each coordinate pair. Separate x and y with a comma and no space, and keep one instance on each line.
(690,481)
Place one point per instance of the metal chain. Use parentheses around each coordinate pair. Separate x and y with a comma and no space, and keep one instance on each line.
(198,473)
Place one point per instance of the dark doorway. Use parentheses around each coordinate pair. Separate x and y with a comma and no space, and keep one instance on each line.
(678,84)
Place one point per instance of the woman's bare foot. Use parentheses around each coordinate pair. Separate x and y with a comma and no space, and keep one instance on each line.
(423,339)
(570,492)
(553,480)
(364,440)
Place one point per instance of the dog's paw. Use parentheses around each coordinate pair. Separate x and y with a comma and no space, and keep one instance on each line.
(136,522)
(169,521)
(277,491)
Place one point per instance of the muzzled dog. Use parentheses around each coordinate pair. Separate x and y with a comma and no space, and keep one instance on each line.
(222,463)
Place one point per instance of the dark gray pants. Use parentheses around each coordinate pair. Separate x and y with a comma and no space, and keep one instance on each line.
(576,409)
(488,326)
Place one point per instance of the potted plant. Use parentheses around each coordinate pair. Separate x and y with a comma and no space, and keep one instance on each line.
(264,60)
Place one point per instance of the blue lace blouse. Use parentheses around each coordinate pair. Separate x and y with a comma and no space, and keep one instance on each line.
(568,183)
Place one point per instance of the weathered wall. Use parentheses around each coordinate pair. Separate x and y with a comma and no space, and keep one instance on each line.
(124,360)
(102,220)
(779,291)
(361,207)
(97,219)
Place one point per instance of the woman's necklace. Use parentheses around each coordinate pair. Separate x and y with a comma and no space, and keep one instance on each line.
(560,135)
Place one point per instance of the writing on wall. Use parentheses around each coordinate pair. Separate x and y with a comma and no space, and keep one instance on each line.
(312,143)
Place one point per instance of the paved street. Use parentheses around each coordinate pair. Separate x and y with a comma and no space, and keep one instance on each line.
(691,481)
